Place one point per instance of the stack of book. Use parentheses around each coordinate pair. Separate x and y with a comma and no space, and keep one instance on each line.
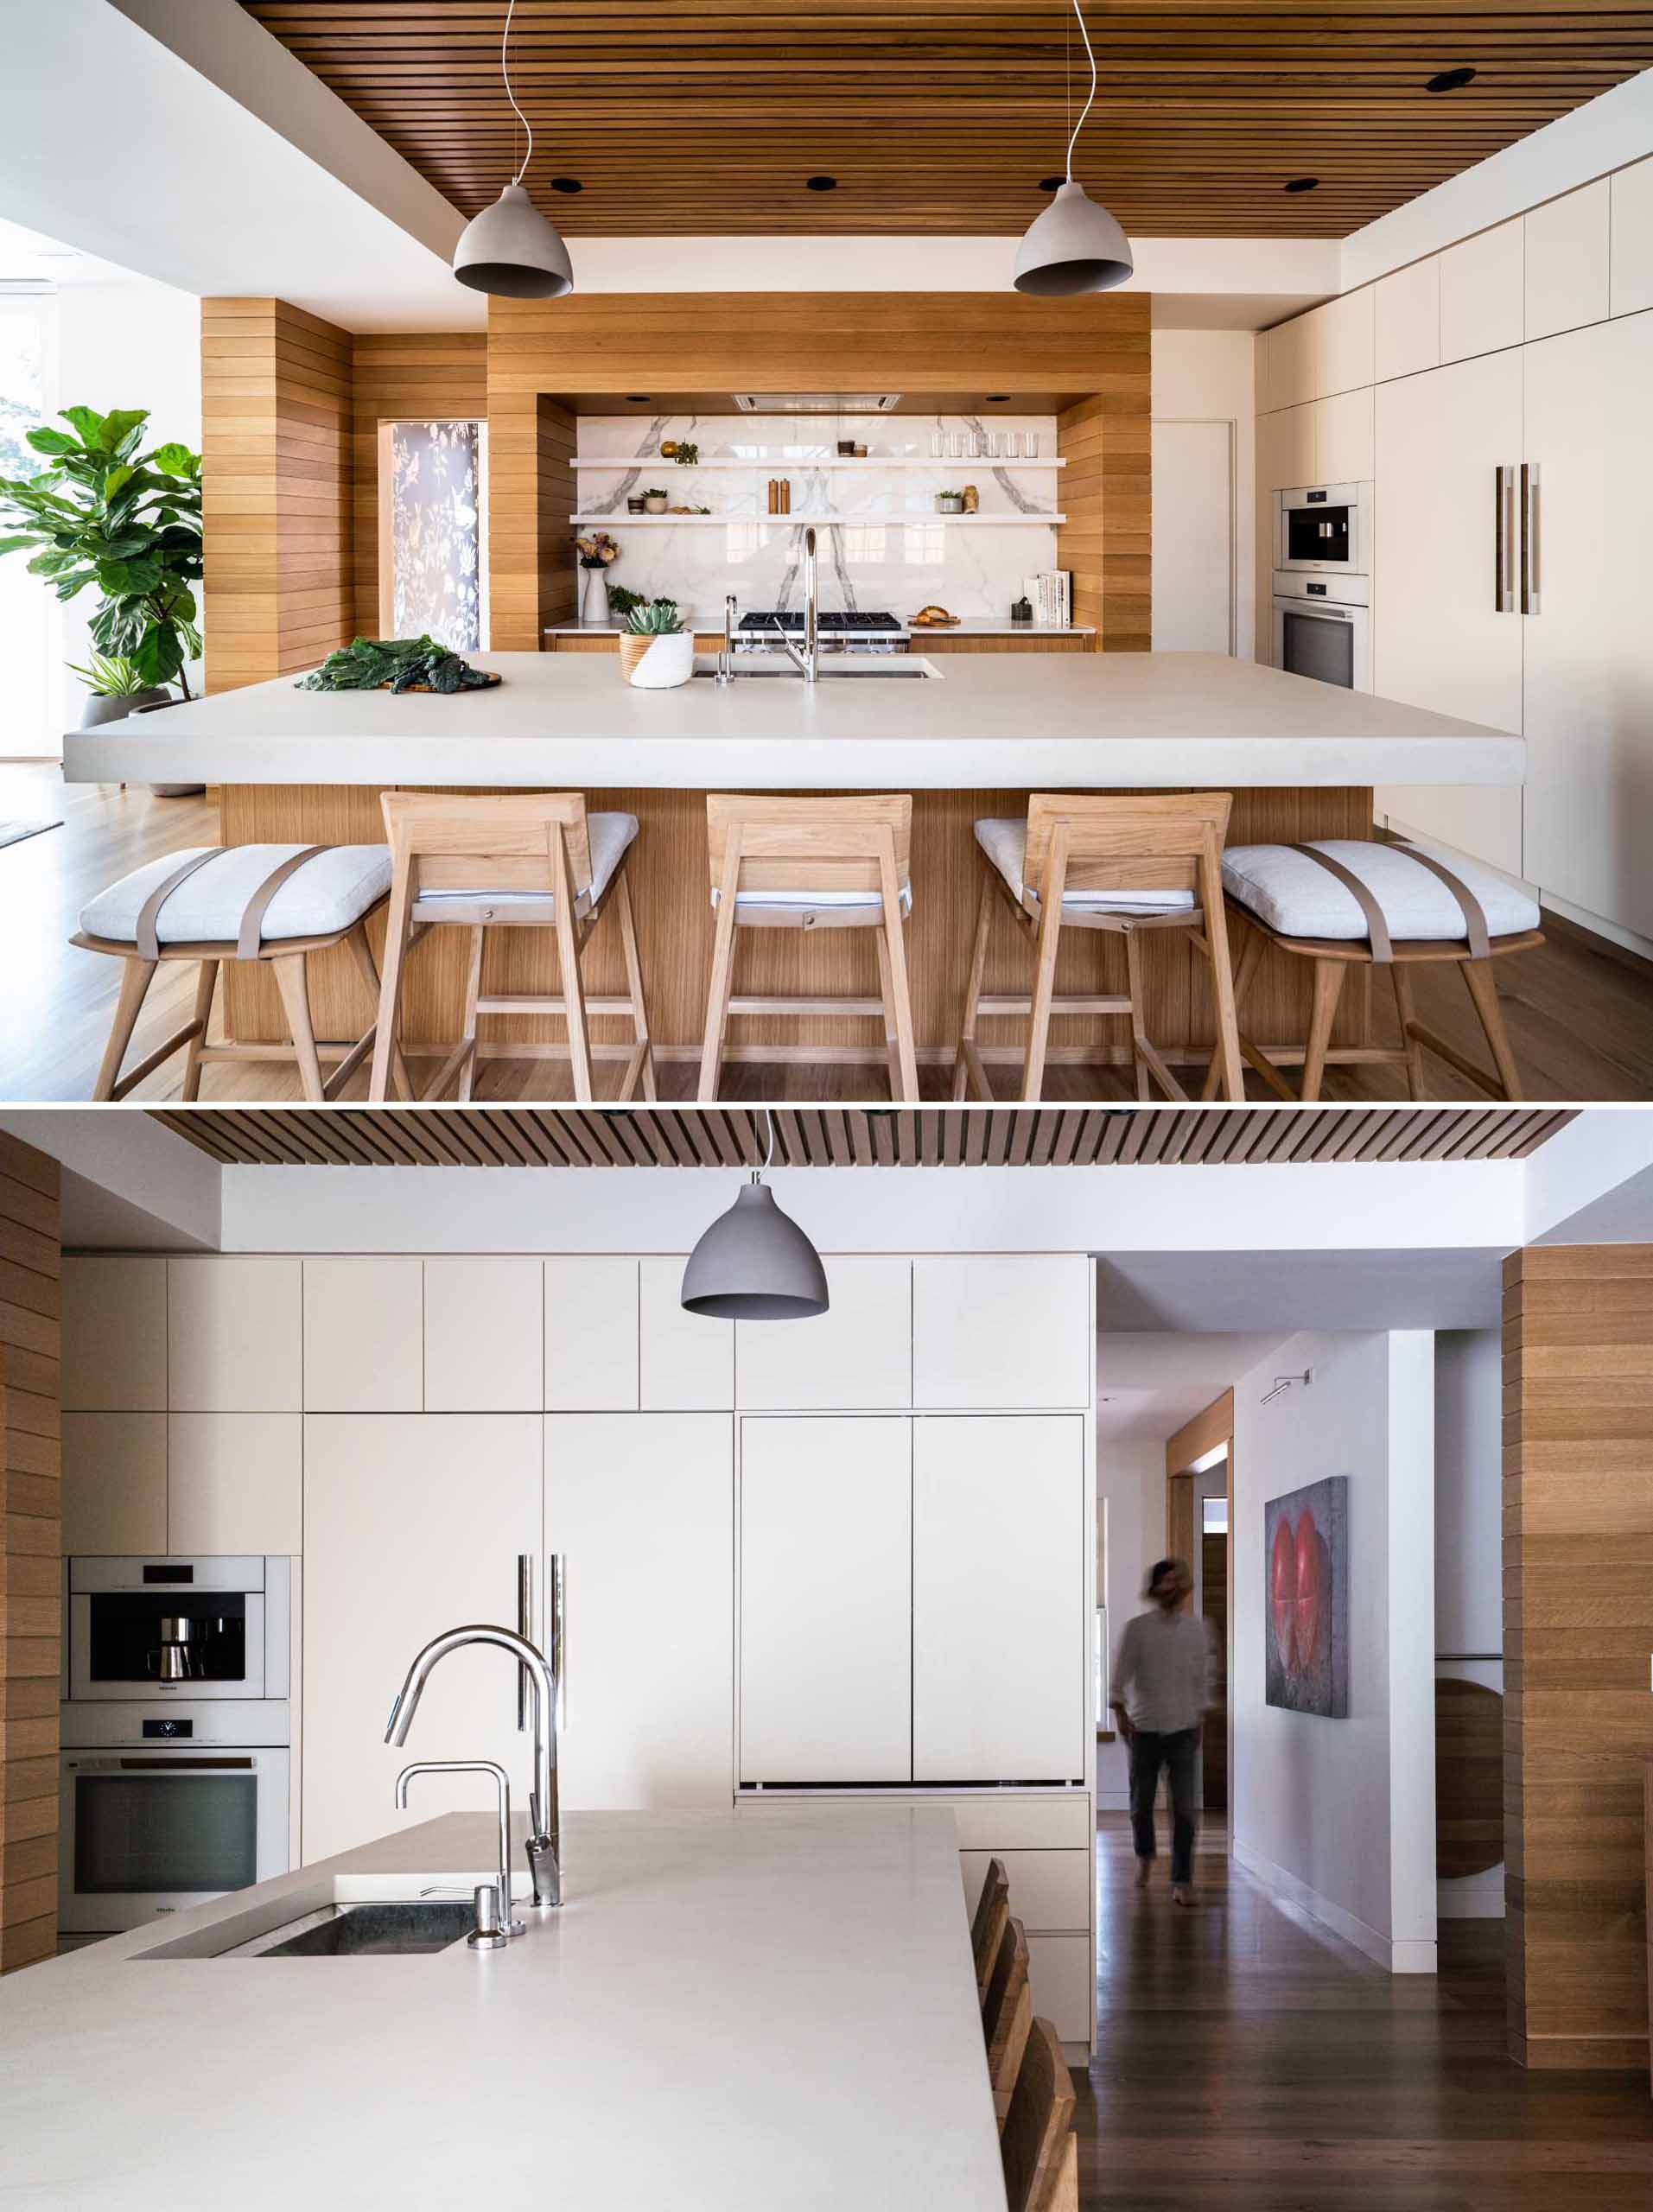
(1051,595)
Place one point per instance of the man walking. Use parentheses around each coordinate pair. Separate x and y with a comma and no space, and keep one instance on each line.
(1161,1687)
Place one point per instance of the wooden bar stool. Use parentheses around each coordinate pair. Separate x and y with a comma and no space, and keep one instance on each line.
(1350,902)
(1123,866)
(530,860)
(274,905)
(989,1921)
(812,864)
(1037,2143)
(1007,2015)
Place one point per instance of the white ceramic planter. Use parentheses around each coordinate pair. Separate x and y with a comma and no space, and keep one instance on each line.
(666,662)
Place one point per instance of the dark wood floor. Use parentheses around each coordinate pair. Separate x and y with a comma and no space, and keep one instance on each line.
(1580,1017)
(1248,2059)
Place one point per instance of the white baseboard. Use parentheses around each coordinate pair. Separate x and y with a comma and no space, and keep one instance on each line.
(1113,1801)
(1395,1957)
(1599,925)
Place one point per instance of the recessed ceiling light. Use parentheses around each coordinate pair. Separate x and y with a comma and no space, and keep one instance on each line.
(567,184)
(820,184)
(994,397)
(1450,80)
(1302,184)
(637,395)
(1051,183)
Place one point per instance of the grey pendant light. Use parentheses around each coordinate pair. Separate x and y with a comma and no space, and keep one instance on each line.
(754,1264)
(509,249)
(1075,245)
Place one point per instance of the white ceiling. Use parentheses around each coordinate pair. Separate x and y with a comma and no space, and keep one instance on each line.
(1216,1292)
(29,258)
(1148,1384)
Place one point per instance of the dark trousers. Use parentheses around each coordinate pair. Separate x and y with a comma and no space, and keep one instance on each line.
(1178,1754)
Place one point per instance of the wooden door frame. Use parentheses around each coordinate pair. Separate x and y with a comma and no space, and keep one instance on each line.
(1196,1440)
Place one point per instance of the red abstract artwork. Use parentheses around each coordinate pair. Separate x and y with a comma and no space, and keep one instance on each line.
(1305,1538)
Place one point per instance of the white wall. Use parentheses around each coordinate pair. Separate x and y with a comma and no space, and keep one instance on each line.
(1469,1544)
(134,344)
(1210,375)
(1130,1512)
(1339,1816)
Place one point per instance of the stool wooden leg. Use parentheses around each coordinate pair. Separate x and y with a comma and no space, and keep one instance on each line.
(1228,1024)
(1250,959)
(1139,1036)
(1328,984)
(634,984)
(473,992)
(293,985)
(1483,990)
(1406,1014)
(886,994)
(362,952)
(136,976)
(386,1039)
(206,982)
(973,990)
(900,1000)
(717,995)
(1038,1026)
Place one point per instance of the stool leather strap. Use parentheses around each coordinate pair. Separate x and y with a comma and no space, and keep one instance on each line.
(145,942)
(1377,927)
(1480,938)
(248,942)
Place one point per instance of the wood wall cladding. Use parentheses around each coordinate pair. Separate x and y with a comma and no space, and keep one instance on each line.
(543,353)
(30,1546)
(275,405)
(422,376)
(943,118)
(1578,1626)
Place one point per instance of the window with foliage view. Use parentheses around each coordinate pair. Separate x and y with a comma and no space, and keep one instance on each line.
(434,490)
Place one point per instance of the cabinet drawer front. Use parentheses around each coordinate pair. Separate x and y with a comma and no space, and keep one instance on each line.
(364,1336)
(857,1356)
(114,1336)
(1001,1330)
(1009,1822)
(1062,1971)
(1050,1891)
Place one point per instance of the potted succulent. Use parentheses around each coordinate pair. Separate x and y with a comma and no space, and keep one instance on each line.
(596,551)
(687,454)
(950,503)
(656,653)
(654,501)
(102,512)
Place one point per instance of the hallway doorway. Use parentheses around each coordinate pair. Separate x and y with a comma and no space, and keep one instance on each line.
(1211,1602)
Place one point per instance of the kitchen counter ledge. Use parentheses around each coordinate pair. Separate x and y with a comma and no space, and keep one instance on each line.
(733,2014)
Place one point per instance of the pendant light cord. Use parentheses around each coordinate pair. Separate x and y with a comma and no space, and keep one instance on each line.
(1086,109)
(504,71)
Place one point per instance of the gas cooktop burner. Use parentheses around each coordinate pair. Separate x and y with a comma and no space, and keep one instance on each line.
(773,619)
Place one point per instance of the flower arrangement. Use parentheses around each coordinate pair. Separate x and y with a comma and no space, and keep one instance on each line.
(597,549)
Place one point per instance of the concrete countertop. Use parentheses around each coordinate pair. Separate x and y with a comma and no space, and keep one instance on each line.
(982,721)
(727,2015)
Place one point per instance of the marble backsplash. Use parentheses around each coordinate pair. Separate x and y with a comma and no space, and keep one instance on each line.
(882,545)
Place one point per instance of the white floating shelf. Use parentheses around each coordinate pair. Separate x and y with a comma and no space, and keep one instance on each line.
(721,522)
(780,465)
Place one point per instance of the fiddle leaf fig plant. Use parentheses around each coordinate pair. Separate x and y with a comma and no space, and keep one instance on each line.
(128,522)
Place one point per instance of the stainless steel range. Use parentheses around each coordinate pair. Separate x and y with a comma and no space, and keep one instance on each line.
(762,630)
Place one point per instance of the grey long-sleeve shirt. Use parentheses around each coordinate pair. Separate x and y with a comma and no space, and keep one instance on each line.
(1163,1674)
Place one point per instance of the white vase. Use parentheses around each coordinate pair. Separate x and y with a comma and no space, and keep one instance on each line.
(669,661)
(594,597)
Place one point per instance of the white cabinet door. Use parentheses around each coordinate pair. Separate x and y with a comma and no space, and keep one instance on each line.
(114,1484)
(1567,261)
(234,1336)
(1194,536)
(826,1618)
(1631,270)
(640,1510)
(484,1336)
(1341,344)
(1002,1330)
(114,1336)
(412,1524)
(1438,639)
(998,1600)
(686,1362)
(364,1336)
(591,1336)
(857,1355)
(1482,287)
(235,1483)
(1063,1972)
(1408,315)
(1343,438)
(1589,648)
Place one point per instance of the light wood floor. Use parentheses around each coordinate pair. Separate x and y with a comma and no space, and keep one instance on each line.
(1580,1019)
(1249,2059)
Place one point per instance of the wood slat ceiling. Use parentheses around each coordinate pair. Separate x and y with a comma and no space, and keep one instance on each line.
(826,1136)
(692,117)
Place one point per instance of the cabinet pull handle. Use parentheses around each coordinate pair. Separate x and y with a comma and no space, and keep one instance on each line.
(525,1629)
(1507,526)
(559,1655)
(1500,575)
(1530,579)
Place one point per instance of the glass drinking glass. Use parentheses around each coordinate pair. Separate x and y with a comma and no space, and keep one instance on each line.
(1031,445)
(954,446)
(1013,445)
(993,445)
(937,445)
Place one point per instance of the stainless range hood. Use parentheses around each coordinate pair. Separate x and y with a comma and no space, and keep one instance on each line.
(816,402)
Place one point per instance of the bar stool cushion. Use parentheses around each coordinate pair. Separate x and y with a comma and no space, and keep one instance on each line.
(1296,897)
(1005,843)
(607,835)
(328,894)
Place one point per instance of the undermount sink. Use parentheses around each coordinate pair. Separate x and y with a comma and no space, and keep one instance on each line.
(827,674)
(357,1931)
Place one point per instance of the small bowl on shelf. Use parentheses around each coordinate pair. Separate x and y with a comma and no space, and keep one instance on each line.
(950,503)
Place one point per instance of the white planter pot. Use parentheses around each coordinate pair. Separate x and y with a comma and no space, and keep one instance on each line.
(668,662)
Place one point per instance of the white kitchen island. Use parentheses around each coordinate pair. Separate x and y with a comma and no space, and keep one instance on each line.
(972,738)
(727,2015)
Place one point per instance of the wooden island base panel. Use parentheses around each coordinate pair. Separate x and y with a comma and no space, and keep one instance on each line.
(671,888)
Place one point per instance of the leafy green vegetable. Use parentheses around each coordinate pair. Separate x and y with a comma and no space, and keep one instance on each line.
(104,514)
(621,600)
(369,663)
